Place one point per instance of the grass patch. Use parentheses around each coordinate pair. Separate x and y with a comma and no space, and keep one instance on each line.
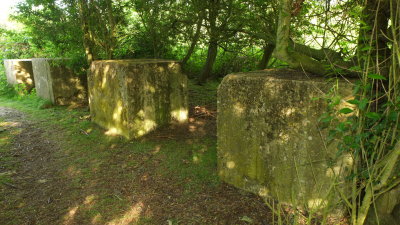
(194,165)
(205,95)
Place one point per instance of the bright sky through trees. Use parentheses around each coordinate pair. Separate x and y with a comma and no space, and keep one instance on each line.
(6,9)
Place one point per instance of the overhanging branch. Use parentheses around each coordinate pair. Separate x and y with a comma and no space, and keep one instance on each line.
(299,56)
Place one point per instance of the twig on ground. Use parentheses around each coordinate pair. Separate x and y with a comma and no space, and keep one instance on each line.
(84,132)
(10,185)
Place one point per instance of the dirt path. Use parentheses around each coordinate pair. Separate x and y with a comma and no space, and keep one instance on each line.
(37,191)
(51,185)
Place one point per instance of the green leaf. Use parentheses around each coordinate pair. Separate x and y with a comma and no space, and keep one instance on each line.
(341,127)
(355,68)
(354,102)
(326,119)
(376,76)
(373,139)
(357,88)
(335,100)
(367,86)
(363,104)
(366,48)
(348,139)
(393,116)
(345,111)
(373,115)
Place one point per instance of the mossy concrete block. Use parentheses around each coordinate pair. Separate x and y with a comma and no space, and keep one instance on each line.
(56,82)
(19,71)
(133,97)
(269,139)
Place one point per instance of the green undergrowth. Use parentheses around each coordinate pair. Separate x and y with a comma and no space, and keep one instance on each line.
(203,95)
(97,164)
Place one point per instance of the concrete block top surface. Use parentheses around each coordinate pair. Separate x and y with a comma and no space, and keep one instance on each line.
(50,59)
(19,60)
(278,74)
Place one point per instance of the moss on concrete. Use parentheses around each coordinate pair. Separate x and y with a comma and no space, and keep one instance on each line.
(56,82)
(19,71)
(269,141)
(133,97)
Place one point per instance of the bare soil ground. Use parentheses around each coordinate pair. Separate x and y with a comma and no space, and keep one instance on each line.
(51,184)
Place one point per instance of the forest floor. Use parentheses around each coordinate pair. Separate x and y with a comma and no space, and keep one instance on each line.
(56,167)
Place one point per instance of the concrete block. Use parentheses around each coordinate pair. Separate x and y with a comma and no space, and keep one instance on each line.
(56,82)
(133,97)
(19,71)
(269,139)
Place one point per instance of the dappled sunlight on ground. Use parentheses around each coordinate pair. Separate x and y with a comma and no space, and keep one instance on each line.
(10,124)
(130,217)
(69,218)
(202,111)
(88,203)
(156,149)
(196,125)
(180,115)
(96,219)
(73,171)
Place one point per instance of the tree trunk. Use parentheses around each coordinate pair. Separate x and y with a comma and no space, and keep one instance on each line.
(211,57)
(268,50)
(294,59)
(213,45)
(373,51)
(194,41)
(87,42)
(111,30)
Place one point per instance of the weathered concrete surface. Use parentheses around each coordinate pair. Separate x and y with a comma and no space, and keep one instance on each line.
(19,71)
(56,82)
(269,141)
(387,208)
(133,97)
